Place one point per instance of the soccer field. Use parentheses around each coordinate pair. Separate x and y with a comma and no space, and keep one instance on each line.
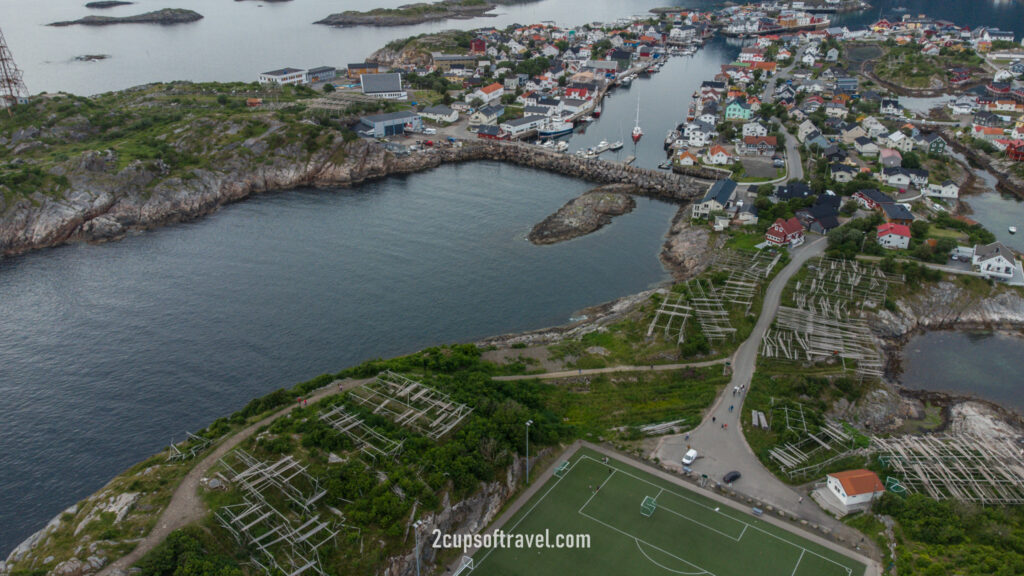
(686,533)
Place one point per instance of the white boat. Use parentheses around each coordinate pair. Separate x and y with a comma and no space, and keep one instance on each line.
(562,146)
(549,144)
(1013,229)
(590,153)
(602,146)
(617,145)
(555,128)
(626,81)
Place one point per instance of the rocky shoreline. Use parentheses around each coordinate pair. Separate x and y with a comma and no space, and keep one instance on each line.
(107,4)
(105,203)
(417,13)
(167,16)
(585,214)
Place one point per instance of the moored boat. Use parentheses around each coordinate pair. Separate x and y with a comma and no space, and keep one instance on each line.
(555,128)
(1013,229)
(617,145)
(637,132)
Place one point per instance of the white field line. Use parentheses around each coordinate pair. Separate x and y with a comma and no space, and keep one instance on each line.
(638,540)
(848,569)
(795,568)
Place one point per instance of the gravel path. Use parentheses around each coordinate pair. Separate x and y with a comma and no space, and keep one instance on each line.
(186,506)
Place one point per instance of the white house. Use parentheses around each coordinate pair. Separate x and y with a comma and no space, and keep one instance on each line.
(806,129)
(899,141)
(719,197)
(891,108)
(894,236)
(855,488)
(947,189)
(754,129)
(995,261)
(717,156)
(440,113)
(487,94)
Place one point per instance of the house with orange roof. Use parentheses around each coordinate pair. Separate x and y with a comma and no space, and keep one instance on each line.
(686,158)
(717,156)
(487,94)
(855,489)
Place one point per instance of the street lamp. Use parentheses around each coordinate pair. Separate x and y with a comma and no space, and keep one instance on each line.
(528,424)
(416,530)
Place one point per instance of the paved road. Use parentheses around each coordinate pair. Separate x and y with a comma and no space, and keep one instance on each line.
(186,507)
(649,368)
(722,450)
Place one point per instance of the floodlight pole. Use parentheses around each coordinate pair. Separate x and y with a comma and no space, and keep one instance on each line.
(528,424)
(416,530)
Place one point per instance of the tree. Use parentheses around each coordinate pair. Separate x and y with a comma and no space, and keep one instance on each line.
(328,88)
(911,161)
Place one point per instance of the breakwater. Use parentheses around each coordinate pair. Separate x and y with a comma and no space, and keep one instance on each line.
(105,203)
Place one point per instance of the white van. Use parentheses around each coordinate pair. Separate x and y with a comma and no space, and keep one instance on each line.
(689,457)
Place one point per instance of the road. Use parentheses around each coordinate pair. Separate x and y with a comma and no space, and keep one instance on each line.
(722,450)
(186,506)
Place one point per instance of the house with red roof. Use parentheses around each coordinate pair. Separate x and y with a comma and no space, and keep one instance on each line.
(487,94)
(785,233)
(855,488)
(893,236)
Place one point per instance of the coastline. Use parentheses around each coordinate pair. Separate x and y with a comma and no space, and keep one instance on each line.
(103,206)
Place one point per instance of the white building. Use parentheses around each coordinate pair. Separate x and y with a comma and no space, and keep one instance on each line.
(283,76)
(519,126)
(754,129)
(855,488)
(385,86)
(995,261)
(947,189)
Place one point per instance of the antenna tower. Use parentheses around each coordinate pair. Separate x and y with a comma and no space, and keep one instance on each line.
(12,87)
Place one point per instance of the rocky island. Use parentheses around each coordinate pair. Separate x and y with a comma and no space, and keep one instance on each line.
(417,13)
(107,4)
(585,214)
(167,16)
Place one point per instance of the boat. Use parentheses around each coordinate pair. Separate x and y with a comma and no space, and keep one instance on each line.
(637,132)
(549,144)
(555,128)
(671,137)
(602,146)
(665,165)
(615,146)
(590,153)
(597,111)
(587,118)
(626,80)
(562,146)
(1013,229)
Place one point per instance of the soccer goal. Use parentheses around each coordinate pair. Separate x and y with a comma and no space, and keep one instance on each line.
(562,469)
(648,506)
(465,566)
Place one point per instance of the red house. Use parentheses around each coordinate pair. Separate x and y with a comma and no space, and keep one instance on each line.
(578,92)
(785,233)
(477,46)
(1015,151)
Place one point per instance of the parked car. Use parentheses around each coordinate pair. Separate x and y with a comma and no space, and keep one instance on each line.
(731,477)
(689,457)
(429,131)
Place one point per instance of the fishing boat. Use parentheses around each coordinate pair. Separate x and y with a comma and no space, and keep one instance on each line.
(597,111)
(555,128)
(602,146)
(637,132)
(616,146)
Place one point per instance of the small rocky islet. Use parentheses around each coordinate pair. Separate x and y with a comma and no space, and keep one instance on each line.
(167,16)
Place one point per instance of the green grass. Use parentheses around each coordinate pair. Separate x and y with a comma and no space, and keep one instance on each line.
(687,534)
(744,241)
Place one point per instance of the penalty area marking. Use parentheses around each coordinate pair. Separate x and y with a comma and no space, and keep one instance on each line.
(662,566)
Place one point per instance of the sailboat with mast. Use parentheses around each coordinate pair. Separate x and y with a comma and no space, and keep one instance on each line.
(637,132)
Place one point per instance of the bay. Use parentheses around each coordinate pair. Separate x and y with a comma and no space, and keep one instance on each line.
(109,352)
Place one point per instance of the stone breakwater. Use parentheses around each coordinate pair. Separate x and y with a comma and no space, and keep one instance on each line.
(104,203)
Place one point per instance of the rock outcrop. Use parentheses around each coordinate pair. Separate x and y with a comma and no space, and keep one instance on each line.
(167,16)
(107,4)
(949,305)
(585,214)
(105,202)
(407,15)
(687,249)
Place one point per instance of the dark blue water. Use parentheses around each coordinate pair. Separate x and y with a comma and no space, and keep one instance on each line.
(110,351)
(982,364)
